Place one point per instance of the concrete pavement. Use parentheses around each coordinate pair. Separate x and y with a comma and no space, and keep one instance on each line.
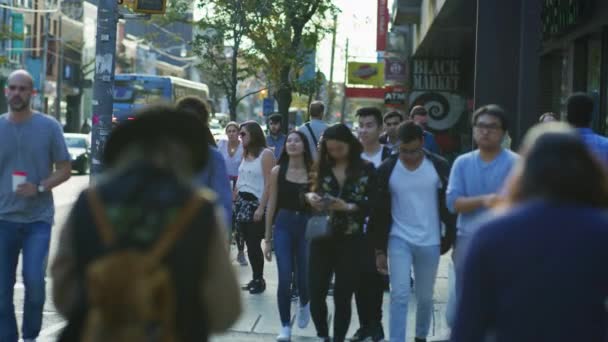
(260,320)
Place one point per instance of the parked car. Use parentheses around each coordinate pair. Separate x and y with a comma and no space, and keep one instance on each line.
(79,146)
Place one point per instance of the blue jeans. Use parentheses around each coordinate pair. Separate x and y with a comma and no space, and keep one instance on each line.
(290,243)
(425,259)
(33,238)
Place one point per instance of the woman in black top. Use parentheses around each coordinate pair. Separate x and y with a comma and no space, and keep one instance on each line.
(342,184)
(289,182)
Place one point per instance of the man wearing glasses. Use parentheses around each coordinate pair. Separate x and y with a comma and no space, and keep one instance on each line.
(406,224)
(477,177)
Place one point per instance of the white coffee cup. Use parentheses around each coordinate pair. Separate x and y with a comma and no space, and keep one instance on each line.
(19,177)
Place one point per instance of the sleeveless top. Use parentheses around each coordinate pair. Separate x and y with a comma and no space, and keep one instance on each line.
(232,163)
(131,192)
(290,195)
(251,177)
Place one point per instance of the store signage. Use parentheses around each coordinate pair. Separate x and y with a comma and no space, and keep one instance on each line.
(382,25)
(395,70)
(436,74)
(395,96)
(562,16)
(444,108)
(366,73)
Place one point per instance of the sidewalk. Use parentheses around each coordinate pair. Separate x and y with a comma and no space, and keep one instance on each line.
(260,320)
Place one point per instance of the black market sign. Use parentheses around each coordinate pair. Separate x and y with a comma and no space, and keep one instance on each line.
(435,74)
(562,16)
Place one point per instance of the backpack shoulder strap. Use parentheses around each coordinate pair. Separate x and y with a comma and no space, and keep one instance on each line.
(104,228)
(174,230)
(312,134)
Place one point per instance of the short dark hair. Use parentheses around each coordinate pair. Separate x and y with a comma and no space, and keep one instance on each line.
(392,114)
(579,110)
(410,131)
(494,110)
(276,117)
(195,105)
(316,109)
(154,126)
(370,111)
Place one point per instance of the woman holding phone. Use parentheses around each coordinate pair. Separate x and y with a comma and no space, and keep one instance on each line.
(342,184)
(289,182)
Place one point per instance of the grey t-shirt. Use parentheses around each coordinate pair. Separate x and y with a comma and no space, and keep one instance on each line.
(33,147)
(318,127)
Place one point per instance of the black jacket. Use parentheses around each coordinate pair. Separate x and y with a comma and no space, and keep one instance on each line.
(381,218)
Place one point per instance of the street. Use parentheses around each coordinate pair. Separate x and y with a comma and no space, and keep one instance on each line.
(260,320)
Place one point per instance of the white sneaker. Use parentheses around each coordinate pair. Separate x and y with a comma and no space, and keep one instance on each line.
(303,316)
(285,334)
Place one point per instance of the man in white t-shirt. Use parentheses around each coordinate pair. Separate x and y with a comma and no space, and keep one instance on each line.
(370,128)
(406,224)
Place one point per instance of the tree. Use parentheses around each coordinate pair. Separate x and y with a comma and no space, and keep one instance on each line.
(225,55)
(283,31)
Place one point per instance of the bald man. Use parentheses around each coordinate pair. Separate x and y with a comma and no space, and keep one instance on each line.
(33,160)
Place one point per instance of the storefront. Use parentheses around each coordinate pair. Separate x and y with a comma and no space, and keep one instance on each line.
(575,56)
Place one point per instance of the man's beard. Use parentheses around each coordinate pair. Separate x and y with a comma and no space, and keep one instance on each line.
(19,106)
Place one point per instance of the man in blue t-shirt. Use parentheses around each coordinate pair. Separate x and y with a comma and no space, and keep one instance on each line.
(579,115)
(275,138)
(420,116)
(33,160)
(477,177)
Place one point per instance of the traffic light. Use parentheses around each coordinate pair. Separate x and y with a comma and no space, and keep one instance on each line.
(150,6)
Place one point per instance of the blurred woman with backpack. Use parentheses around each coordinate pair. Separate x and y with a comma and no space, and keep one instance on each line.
(143,255)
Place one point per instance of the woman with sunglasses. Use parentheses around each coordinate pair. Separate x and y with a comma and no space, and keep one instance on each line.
(252,195)
(342,184)
(232,151)
(289,182)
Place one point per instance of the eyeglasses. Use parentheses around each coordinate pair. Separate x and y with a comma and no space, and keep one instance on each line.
(489,128)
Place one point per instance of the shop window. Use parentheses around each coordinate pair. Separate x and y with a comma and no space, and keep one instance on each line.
(594,67)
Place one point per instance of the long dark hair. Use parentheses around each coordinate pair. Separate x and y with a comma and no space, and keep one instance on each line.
(284,157)
(325,163)
(559,167)
(257,139)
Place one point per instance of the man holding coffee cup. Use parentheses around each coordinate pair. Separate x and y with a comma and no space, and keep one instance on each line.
(33,160)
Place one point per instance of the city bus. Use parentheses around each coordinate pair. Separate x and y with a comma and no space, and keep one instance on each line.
(133,91)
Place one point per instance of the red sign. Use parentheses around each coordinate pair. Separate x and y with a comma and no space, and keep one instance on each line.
(370,93)
(382,25)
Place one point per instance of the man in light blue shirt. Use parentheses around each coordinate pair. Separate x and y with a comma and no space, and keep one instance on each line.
(579,114)
(313,129)
(477,177)
(275,138)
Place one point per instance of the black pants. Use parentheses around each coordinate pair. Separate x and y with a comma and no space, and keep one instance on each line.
(340,256)
(253,233)
(369,294)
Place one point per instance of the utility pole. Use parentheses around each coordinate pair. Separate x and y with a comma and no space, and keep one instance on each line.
(331,92)
(59,42)
(105,63)
(343,115)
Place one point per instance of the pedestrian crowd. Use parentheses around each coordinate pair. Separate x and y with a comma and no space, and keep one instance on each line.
(144,254)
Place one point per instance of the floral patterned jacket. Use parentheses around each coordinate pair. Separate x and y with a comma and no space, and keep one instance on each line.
(359,191)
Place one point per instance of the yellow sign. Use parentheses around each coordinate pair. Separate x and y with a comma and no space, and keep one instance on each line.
(366,73)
